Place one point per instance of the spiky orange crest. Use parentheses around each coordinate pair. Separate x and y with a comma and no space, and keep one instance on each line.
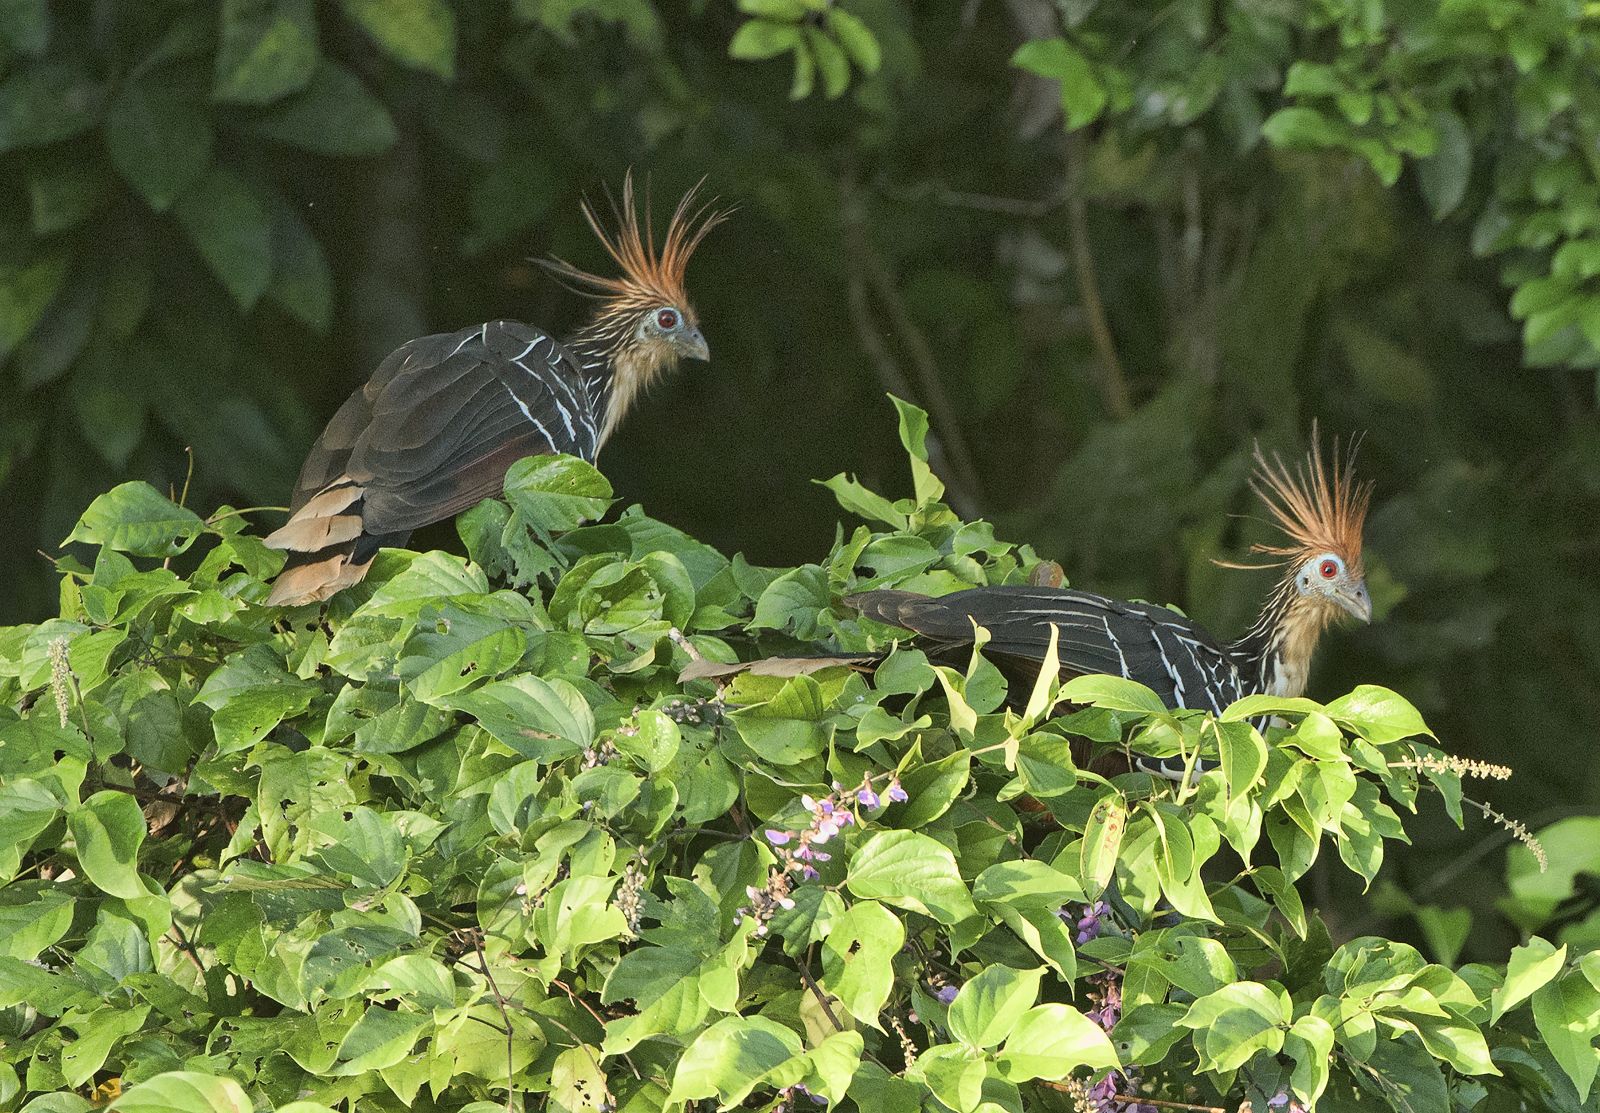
(1322,509)
(649,278)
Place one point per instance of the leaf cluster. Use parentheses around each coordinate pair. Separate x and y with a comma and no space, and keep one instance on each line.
(452,845)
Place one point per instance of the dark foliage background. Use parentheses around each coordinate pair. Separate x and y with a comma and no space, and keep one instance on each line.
(1176,227)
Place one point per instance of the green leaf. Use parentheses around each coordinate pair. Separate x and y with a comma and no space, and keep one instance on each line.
(247,717)
(1378,715)
(25,24)
(537,718)
(1051,1041)
(1297,126)
(1531,967)
(301,280)
(1113,693)
(760,38)
(855,498)
(109,828)
(333,115)
(914,438)
(26,292)
(416,33)
(831,62)
(789,727)
(1244,756)
(911,871)
(159,137)
(45,103)
(1272,882)
(857,958)
(858,41)
(989,1006)
(793,601)
(1567,1014)
(135,518)
(556,493)
(184,1092)
(1237,1021)
(227,222)
(268,50)
(731,1058)
(1083,95)
(1102,841)
(1444,176)
(455,648)
(1310,1044)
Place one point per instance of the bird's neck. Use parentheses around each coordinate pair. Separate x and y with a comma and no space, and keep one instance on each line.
(616,367)
(1274,656)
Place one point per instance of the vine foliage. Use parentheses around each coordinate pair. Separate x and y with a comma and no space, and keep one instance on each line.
(465,841)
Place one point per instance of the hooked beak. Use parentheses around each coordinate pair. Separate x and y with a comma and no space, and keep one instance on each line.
(693,346)
(1355,600)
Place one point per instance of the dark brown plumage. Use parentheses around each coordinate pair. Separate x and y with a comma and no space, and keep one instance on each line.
(435,428)
(1321,511)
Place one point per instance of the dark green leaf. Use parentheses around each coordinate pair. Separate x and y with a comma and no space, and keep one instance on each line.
(160,139)
(416,33)
(269,50)
(46,103)
(226,221)
(1444,175)
(333,115)
(135,518)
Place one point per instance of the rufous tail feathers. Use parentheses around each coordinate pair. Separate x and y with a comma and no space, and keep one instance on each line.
(323,541)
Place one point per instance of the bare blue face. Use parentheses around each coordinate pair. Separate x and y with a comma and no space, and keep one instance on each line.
(1326,576)
(672,326)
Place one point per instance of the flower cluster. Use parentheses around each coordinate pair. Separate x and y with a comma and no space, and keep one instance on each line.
(1105,993)
(630,896)
(1089,922)
(797,850)
(765,902)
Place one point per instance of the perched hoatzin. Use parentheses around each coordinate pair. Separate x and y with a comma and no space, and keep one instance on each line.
(1321,510)
(434,430)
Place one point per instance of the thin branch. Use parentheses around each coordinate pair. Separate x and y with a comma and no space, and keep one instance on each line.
(505,1014)
(1160,1104)
(1113,382)
(816,991)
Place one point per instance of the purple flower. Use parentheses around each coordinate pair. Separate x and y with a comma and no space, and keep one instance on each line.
(1089,922)
(895,793)
(778,838)
(1278,1100)
(866,797)
(946,994)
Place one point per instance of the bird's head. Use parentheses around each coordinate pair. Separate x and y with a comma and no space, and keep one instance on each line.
(644,315)
(1322,510)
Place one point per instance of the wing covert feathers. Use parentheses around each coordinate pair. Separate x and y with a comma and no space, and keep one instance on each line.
(431,434)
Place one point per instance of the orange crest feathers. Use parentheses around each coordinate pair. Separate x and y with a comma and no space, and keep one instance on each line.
(1322,509)
(648,277)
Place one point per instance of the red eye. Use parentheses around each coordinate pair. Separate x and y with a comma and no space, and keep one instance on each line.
(667,319)
(1329,569)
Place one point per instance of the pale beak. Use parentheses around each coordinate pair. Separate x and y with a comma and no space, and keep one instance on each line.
(1355,600)
(693,346)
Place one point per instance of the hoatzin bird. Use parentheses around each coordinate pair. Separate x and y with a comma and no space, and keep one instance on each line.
(1321,510)
(434,430)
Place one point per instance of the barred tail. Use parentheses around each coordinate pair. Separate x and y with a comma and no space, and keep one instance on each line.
(328,547)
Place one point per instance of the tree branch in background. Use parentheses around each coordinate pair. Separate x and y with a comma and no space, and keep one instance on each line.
(869,274)
(1113,383)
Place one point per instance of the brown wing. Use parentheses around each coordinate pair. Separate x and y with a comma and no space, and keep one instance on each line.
(430,435)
